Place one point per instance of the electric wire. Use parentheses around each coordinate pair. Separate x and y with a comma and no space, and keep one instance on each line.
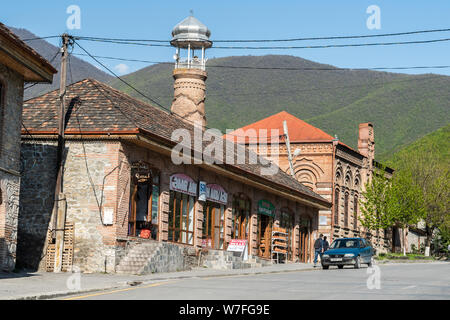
(275,68)
(327,46)
(281,40)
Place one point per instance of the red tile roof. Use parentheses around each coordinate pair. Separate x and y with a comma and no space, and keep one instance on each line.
(299,130)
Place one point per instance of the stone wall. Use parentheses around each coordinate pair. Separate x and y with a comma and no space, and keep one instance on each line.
(36,202)
(10,126)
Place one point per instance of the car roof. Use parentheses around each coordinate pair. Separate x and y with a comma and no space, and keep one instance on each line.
(349,239)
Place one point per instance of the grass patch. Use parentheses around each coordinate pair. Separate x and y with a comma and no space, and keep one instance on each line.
(400,256)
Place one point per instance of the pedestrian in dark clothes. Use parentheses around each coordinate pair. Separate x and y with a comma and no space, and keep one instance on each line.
(326,245)
(318,248)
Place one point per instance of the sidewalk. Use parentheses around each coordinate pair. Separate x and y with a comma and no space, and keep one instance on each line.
(33,286)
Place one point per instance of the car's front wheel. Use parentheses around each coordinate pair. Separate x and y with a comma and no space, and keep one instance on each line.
(358,263)
(370,262)
(341,266)
(325,267)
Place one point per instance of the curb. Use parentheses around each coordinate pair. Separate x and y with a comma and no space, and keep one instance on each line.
(120,285)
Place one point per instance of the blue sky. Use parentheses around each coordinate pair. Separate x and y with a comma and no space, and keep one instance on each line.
(248,20)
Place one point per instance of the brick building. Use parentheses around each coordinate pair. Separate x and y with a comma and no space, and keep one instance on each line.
(327,166)
(18,64)
(122,187)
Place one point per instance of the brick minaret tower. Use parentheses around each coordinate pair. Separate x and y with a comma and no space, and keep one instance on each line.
(190,37)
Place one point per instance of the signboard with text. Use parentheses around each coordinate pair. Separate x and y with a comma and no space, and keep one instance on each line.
(182,183)
(266,207)
(239,245)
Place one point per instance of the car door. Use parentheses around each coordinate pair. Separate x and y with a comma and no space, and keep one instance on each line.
(364,251)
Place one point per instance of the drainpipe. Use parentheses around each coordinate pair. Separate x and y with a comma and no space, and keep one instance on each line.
(335,142)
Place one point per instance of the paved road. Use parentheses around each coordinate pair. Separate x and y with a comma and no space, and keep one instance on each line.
(397,281)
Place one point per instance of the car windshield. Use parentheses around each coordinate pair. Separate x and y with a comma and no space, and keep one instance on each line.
(344,243)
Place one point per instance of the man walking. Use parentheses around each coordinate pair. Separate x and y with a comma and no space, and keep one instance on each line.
(326,245)
(318,247)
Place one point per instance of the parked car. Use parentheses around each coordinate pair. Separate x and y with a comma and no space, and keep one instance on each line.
(348,251)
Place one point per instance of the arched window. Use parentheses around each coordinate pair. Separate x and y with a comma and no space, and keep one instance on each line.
(346,210)
(355,212)
(336,207)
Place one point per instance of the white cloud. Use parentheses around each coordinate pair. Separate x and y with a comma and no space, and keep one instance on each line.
(122,68)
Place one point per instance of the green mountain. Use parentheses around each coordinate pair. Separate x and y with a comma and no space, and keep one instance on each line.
(402,107)
(77,69)
(437,142)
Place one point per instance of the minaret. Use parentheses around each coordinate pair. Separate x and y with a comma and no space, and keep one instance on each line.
(190,38)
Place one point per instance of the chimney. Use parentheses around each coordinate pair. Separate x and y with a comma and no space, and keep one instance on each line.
(190,38)
(366,141)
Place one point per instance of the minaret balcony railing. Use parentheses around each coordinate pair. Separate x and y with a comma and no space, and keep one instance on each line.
(190,64)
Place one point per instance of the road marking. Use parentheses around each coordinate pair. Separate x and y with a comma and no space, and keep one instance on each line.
(120,290)
(409,287)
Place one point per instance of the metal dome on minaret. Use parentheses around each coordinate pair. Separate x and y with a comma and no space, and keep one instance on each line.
(189,36)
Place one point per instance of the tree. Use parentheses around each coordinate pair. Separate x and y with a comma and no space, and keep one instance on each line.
(430,175)
(374,202)
(404,203)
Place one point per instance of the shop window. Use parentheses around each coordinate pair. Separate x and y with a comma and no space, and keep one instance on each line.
(240,217)
(213,225)
(287,222)
(181,218)
(143,217)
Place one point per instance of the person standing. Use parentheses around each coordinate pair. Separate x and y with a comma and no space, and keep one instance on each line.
(318,248)
(326,245)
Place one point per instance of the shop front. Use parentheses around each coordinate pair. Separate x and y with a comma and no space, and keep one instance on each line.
(287,222)
(240,221)
(304,240)
(213,230)
(183,192)
(265,218)
(144,204)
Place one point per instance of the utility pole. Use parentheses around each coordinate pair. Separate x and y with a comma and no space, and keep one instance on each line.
(288,146)
(59,207)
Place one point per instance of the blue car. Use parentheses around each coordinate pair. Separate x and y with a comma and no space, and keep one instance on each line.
(348,251)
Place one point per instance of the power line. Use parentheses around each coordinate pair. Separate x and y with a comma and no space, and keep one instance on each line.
(112,72)
(40,38)
(284,47)
(278,40)
(334,45)
(275,68)
(51,60)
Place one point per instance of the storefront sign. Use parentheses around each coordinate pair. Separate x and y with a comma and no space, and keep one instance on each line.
(202,191)
(266,207)
(216,193)
(238,245)
(182,183)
